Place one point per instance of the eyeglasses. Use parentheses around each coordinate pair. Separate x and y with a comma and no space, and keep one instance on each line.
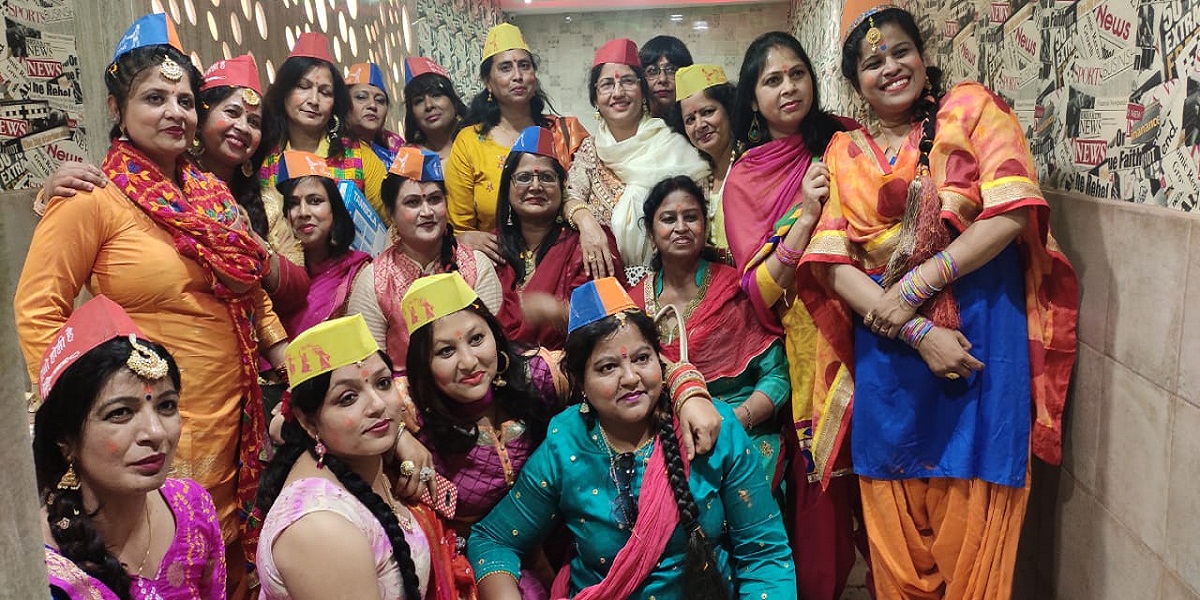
(622,469)
(655,70)
(608,86)
(525,178)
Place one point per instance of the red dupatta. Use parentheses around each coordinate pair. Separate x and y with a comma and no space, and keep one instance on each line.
(329,290)
(201,216)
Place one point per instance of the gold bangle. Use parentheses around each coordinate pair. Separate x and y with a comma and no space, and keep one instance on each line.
(571,214)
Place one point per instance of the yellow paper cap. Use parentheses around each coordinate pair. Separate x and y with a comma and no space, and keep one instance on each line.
(695,78)
(504,36)
(328,346)
(433,297)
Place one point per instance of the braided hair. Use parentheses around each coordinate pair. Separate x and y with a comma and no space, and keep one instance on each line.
(307,397)
(449,433)
(60,421)
(701,578)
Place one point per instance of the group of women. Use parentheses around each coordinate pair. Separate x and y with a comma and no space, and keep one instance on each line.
(609,365)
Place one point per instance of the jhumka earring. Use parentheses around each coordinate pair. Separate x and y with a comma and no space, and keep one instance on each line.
(319,449)
(69,480)
(755,133)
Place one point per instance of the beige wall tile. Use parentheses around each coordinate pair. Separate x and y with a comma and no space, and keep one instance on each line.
(1085,413)
(1098,558)
(1133,453)
(1146,248)
(1183,528)
(1076,224)
(1189,345)
(1175,589)
(1076,567)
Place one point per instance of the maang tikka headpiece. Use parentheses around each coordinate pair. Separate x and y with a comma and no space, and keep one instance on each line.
(144,362)
(171,71)
(874,36)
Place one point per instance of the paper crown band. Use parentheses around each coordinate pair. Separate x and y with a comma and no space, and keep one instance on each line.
(312,45)
(417,164)
(535,140)
(328,346)
(366,73)
(416,66)
(433,297)
(621,51)
(297,163)
(596,300)
(697,78)
(96,322)
(856,11)
(239,71)
(504,36)
(149,30)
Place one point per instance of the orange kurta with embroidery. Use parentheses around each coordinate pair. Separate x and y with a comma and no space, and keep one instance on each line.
(982,167)
(103,241)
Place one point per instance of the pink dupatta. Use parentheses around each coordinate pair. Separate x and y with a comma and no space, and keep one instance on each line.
(762,185)
(658,514)
(328,292)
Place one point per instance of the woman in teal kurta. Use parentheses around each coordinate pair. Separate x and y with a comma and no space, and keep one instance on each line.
(574,478)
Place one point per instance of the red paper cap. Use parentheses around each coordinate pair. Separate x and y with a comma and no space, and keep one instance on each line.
(621,51)
(312,45)
(239,71)
(96,322)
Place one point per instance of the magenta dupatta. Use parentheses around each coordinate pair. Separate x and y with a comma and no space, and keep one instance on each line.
(658,515)
(329,291)
(762,185)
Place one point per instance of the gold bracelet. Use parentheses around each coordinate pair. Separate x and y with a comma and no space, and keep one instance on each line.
(571,215)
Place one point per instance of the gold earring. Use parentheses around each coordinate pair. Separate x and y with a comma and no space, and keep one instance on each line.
(69,480)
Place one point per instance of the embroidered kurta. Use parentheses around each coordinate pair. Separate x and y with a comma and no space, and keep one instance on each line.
(473,172)
(568,481)
(193,567)
(912,423)
(102,241)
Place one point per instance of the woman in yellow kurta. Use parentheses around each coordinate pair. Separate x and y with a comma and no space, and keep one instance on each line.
(164,241)
(510,101)
(936,233)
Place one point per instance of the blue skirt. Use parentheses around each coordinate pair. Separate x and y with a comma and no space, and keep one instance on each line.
(909,423)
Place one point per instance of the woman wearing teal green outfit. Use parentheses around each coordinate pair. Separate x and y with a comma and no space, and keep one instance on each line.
(745,365)
(613,465)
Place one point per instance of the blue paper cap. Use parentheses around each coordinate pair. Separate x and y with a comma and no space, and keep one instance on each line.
(155,29)
(366,73)
(417,164)
(596,300)
(535,140)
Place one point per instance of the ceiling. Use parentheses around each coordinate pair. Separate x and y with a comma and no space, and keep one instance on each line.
(574,6)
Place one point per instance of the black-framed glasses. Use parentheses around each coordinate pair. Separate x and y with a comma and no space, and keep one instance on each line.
(622,469)
(524,178)
(655,70)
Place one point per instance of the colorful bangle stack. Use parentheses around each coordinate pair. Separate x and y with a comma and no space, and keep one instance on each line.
(685,382)
(915,289)
(915,330)
(788,256)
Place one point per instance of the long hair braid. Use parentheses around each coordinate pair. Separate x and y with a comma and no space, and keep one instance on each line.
(81,543)
(701,578)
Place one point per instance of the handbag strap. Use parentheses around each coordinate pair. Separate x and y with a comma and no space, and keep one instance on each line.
(683,347)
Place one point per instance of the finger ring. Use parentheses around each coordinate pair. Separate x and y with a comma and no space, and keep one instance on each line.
(407,468)
(952,376)
(426,474)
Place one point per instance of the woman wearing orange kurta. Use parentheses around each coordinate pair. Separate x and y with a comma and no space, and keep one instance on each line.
(936,233)
(164,241)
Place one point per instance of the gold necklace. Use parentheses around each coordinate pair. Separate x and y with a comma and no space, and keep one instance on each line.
(149,539)
(612,450)
(405,523)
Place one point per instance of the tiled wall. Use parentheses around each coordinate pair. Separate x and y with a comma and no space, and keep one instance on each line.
(1117,520)
(451,32)
(566,43)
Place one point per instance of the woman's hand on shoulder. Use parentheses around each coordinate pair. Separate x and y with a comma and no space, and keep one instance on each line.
(947,353)
(69,178)
(540,307)
(483,242)
(701,425)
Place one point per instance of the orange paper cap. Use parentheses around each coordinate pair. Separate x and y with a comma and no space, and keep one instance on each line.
(295,163)
(596,300)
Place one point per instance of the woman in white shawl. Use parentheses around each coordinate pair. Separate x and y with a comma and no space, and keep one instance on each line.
(615,169)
